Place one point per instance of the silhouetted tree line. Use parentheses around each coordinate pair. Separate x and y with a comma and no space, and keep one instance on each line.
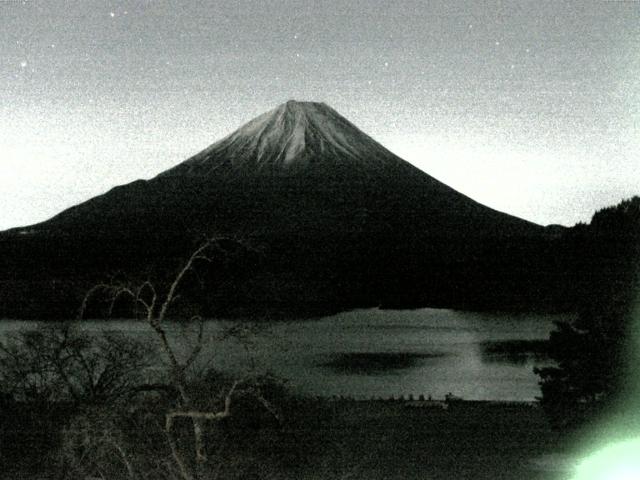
(593,352)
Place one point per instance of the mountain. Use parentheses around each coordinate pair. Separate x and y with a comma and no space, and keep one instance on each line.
(299,166)
(302,137)
(334,220)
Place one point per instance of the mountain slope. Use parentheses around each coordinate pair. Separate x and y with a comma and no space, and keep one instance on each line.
(340,221)
(299,165)
(294,137)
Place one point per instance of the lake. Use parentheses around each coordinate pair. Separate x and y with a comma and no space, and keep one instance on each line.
(372,353)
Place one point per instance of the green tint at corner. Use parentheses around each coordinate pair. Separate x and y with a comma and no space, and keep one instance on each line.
(618,461)
(611,450)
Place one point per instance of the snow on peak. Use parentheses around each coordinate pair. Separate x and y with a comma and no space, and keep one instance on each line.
(293,136)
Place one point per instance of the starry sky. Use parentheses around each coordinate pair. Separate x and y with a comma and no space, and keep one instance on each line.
(530,107)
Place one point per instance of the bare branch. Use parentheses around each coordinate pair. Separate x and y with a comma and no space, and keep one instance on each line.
(156,305)
(196,414)
(171,416)
(89,294)
(269,407)
(202,257)
(198,348)
(166,346)
(123,456)
(177,456)
(117,293)
(149,285)
(154,296)
(197,255)
(197,417)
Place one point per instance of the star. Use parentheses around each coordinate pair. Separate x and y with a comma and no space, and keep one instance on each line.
(112,14)
(497,43)
(386,64)
(23,64)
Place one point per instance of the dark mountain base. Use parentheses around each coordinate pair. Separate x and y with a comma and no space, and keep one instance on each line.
(320,217)
(47,277)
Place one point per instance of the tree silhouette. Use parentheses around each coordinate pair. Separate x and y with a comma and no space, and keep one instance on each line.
(592,352)
(154,303)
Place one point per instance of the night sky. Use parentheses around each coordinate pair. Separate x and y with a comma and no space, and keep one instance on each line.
(532,108)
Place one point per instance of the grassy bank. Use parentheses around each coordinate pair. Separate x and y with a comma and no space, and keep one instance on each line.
(387,440)
(323,439)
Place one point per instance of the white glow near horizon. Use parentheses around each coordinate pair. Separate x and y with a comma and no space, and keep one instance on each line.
(540,186)
(42,175)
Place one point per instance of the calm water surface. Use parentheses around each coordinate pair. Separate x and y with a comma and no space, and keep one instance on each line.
(370,353)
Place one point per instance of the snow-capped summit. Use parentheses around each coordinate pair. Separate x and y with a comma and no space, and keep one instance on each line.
(293,137)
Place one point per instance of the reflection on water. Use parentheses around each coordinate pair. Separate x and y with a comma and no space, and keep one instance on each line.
(373,353)
(376,363)
(516,351)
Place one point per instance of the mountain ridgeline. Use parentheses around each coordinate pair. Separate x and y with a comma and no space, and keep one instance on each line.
(320,218)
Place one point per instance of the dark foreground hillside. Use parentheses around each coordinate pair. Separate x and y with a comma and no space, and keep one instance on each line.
(364,440)
(79,406)
(382,440)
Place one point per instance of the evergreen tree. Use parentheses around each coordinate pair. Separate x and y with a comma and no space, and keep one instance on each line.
(592,352)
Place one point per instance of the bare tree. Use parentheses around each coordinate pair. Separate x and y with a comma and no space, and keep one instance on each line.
(155,304)
(53,378)
(60,363)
